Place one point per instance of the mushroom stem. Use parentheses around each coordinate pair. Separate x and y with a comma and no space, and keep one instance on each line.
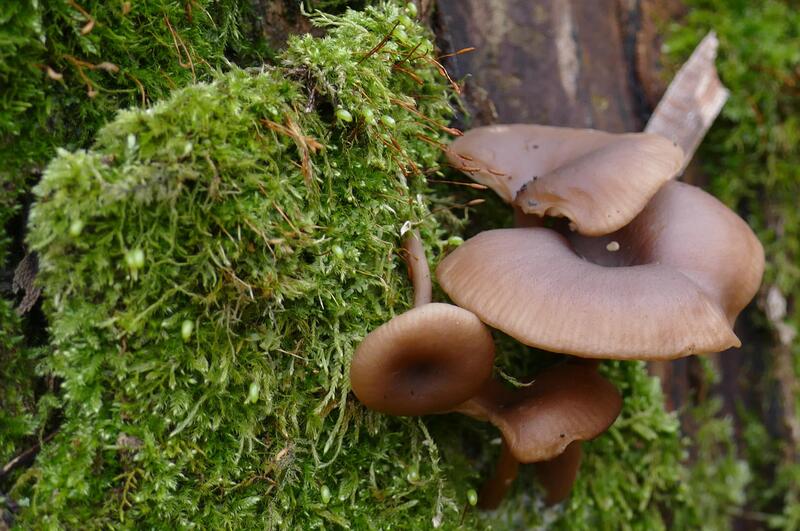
(521,219)
(418,269)
(559,474)
(486,402)
(495,488)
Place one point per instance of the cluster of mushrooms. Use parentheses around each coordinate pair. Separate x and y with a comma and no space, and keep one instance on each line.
(610,259)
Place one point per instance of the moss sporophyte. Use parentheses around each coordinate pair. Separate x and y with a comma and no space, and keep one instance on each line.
(213,259)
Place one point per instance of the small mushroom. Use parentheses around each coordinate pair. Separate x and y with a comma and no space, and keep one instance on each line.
(426,360)
(598,180)
(685,268)
(564,405)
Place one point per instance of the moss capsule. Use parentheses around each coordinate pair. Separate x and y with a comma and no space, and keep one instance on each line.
(138,258)
(252,393)
(187,327)
(472,497)
(369,116)
(344,115)
(325,494)
(455,241)
(75,228)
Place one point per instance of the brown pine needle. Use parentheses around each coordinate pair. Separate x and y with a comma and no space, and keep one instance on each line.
(459,52)
(375,49)
(410,108)
(409,73)
(434,143)
(476,186)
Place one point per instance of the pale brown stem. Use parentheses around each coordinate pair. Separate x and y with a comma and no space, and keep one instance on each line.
(495,488)
(559,474)
(418,268)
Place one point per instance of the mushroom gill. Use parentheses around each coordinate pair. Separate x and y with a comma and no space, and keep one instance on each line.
(426,360)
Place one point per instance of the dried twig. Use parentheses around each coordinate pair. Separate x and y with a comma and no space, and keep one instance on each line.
(692,101)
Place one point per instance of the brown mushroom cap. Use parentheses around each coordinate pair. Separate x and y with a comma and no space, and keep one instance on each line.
(598,180)
(644,308)
(691,231)
(530,284)
(565,403)
(426,360)
(544,423)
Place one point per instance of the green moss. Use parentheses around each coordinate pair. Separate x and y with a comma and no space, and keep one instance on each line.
(212,208)
(752,158)
(67,67)
(101,56)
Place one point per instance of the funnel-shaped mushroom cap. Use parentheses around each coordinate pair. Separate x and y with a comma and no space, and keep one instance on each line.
(687,229)
(690,230)
(566,403)
(424,361)
(559,474)
(598,180)
(529,283)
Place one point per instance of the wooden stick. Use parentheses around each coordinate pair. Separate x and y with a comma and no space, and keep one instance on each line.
(692,101)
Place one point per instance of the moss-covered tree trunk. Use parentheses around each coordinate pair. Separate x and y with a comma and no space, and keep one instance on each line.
(174,416)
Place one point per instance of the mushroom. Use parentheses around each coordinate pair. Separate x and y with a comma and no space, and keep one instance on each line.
(582,174)
(565,404)
(438,358)
(426,360)
(684,269)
